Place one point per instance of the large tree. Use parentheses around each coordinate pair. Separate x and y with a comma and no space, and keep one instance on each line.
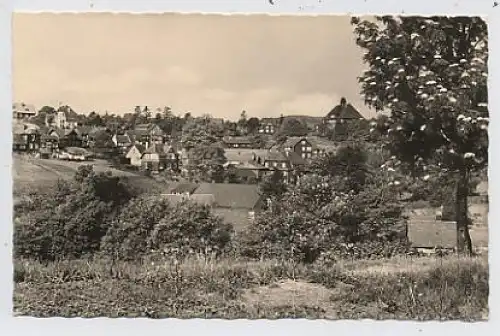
(293,127)
(431,75)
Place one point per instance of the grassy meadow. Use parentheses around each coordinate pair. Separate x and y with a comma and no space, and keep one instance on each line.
(399,288)
(37,174)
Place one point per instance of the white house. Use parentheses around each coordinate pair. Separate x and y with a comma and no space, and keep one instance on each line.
(134,154)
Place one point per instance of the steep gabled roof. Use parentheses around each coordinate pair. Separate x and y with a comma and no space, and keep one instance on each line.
(139,147)
(344,111)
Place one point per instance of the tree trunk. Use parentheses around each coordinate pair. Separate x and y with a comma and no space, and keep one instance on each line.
(464,243)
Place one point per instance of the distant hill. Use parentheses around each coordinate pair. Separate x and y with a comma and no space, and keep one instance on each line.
(310,121)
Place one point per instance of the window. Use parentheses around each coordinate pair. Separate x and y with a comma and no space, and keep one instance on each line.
(275,164)
(303,142)
(283,165)
(266,164)
(309,149)
(304,155)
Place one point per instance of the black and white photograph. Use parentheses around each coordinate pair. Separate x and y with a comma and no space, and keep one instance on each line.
(250,166)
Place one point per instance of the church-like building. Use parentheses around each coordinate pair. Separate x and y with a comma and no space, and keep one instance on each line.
(338,119)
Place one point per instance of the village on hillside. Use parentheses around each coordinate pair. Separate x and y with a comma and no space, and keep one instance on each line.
(165,147)
(294,206)
(233,160)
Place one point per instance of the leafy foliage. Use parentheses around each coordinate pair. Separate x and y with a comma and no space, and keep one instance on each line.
(273,187)
(344,201)
(150,223)
(431,75)
(71,219)
(293,127)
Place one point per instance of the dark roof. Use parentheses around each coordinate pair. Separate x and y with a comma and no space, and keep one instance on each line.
(228,195)
(344,111)
(244,173)
(122,138)
(275,156)
(295,159)
(432,233)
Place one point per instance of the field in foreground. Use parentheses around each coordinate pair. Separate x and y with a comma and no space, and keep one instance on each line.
(399,288)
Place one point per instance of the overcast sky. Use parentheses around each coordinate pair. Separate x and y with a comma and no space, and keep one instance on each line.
(266,65)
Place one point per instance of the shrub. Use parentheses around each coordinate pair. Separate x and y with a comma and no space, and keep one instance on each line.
(70,219)
(343,201)
(150,224)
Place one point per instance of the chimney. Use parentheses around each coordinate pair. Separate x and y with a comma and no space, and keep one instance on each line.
(343,102)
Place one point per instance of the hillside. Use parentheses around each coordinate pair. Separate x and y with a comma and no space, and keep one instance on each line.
(36,174)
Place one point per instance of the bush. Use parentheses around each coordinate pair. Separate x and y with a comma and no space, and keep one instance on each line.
(71,219)
(343,201)
(150,224)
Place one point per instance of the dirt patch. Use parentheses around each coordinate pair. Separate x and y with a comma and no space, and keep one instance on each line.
(289,293)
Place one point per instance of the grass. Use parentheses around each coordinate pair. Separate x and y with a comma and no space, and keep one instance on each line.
(31,174)
(399,288)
